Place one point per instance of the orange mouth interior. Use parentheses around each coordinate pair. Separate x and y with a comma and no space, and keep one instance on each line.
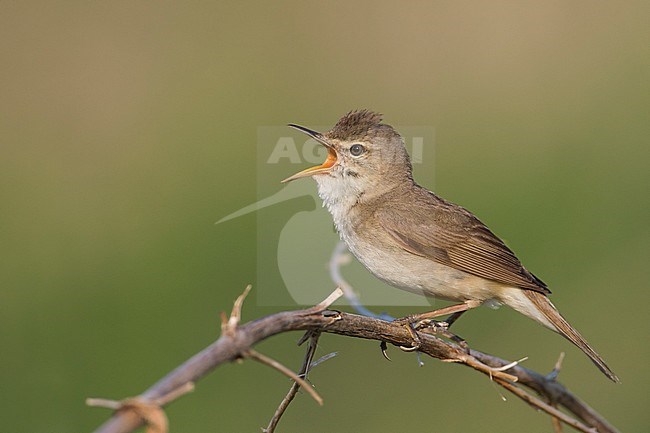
(331,159)
(323,168)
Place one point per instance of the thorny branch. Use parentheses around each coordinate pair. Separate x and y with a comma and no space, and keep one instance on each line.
(312,336)
(237,340)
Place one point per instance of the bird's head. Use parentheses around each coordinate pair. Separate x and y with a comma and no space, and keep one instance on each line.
(363,156)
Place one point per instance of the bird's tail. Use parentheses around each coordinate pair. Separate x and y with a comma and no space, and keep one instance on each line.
(561,326)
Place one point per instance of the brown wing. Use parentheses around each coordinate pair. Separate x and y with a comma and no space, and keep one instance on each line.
(451,235)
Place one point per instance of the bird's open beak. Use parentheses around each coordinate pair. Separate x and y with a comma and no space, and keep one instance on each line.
(326,166)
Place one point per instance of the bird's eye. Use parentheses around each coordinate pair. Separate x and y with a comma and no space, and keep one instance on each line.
(357,149)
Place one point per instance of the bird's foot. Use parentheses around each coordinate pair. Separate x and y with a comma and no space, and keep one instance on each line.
(413,324)
(437,327)
(410,322)
(416,343)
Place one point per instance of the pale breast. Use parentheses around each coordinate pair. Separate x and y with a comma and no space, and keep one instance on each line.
(379,253)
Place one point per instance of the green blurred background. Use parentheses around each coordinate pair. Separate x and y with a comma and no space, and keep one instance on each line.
(128,128)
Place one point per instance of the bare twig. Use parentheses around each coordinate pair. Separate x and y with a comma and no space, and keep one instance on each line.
(556,370)
(304,370)
(325,303)
(150,412)
(512,364)
(284,370)
(537,403)
(229,325)
(492,372)
(238,341)
(557,425)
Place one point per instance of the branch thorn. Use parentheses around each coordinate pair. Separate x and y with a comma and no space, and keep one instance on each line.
(284,370)
(556,370)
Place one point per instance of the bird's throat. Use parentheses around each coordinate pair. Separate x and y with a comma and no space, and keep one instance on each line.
(339,196)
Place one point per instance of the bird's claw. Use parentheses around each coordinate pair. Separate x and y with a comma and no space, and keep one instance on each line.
(383,346)
(415,345)
(409,348)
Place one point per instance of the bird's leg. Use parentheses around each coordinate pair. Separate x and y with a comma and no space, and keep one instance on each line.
(419,321)
(451,319)
(454,310)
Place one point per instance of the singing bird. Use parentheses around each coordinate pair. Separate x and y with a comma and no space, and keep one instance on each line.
(415,240)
